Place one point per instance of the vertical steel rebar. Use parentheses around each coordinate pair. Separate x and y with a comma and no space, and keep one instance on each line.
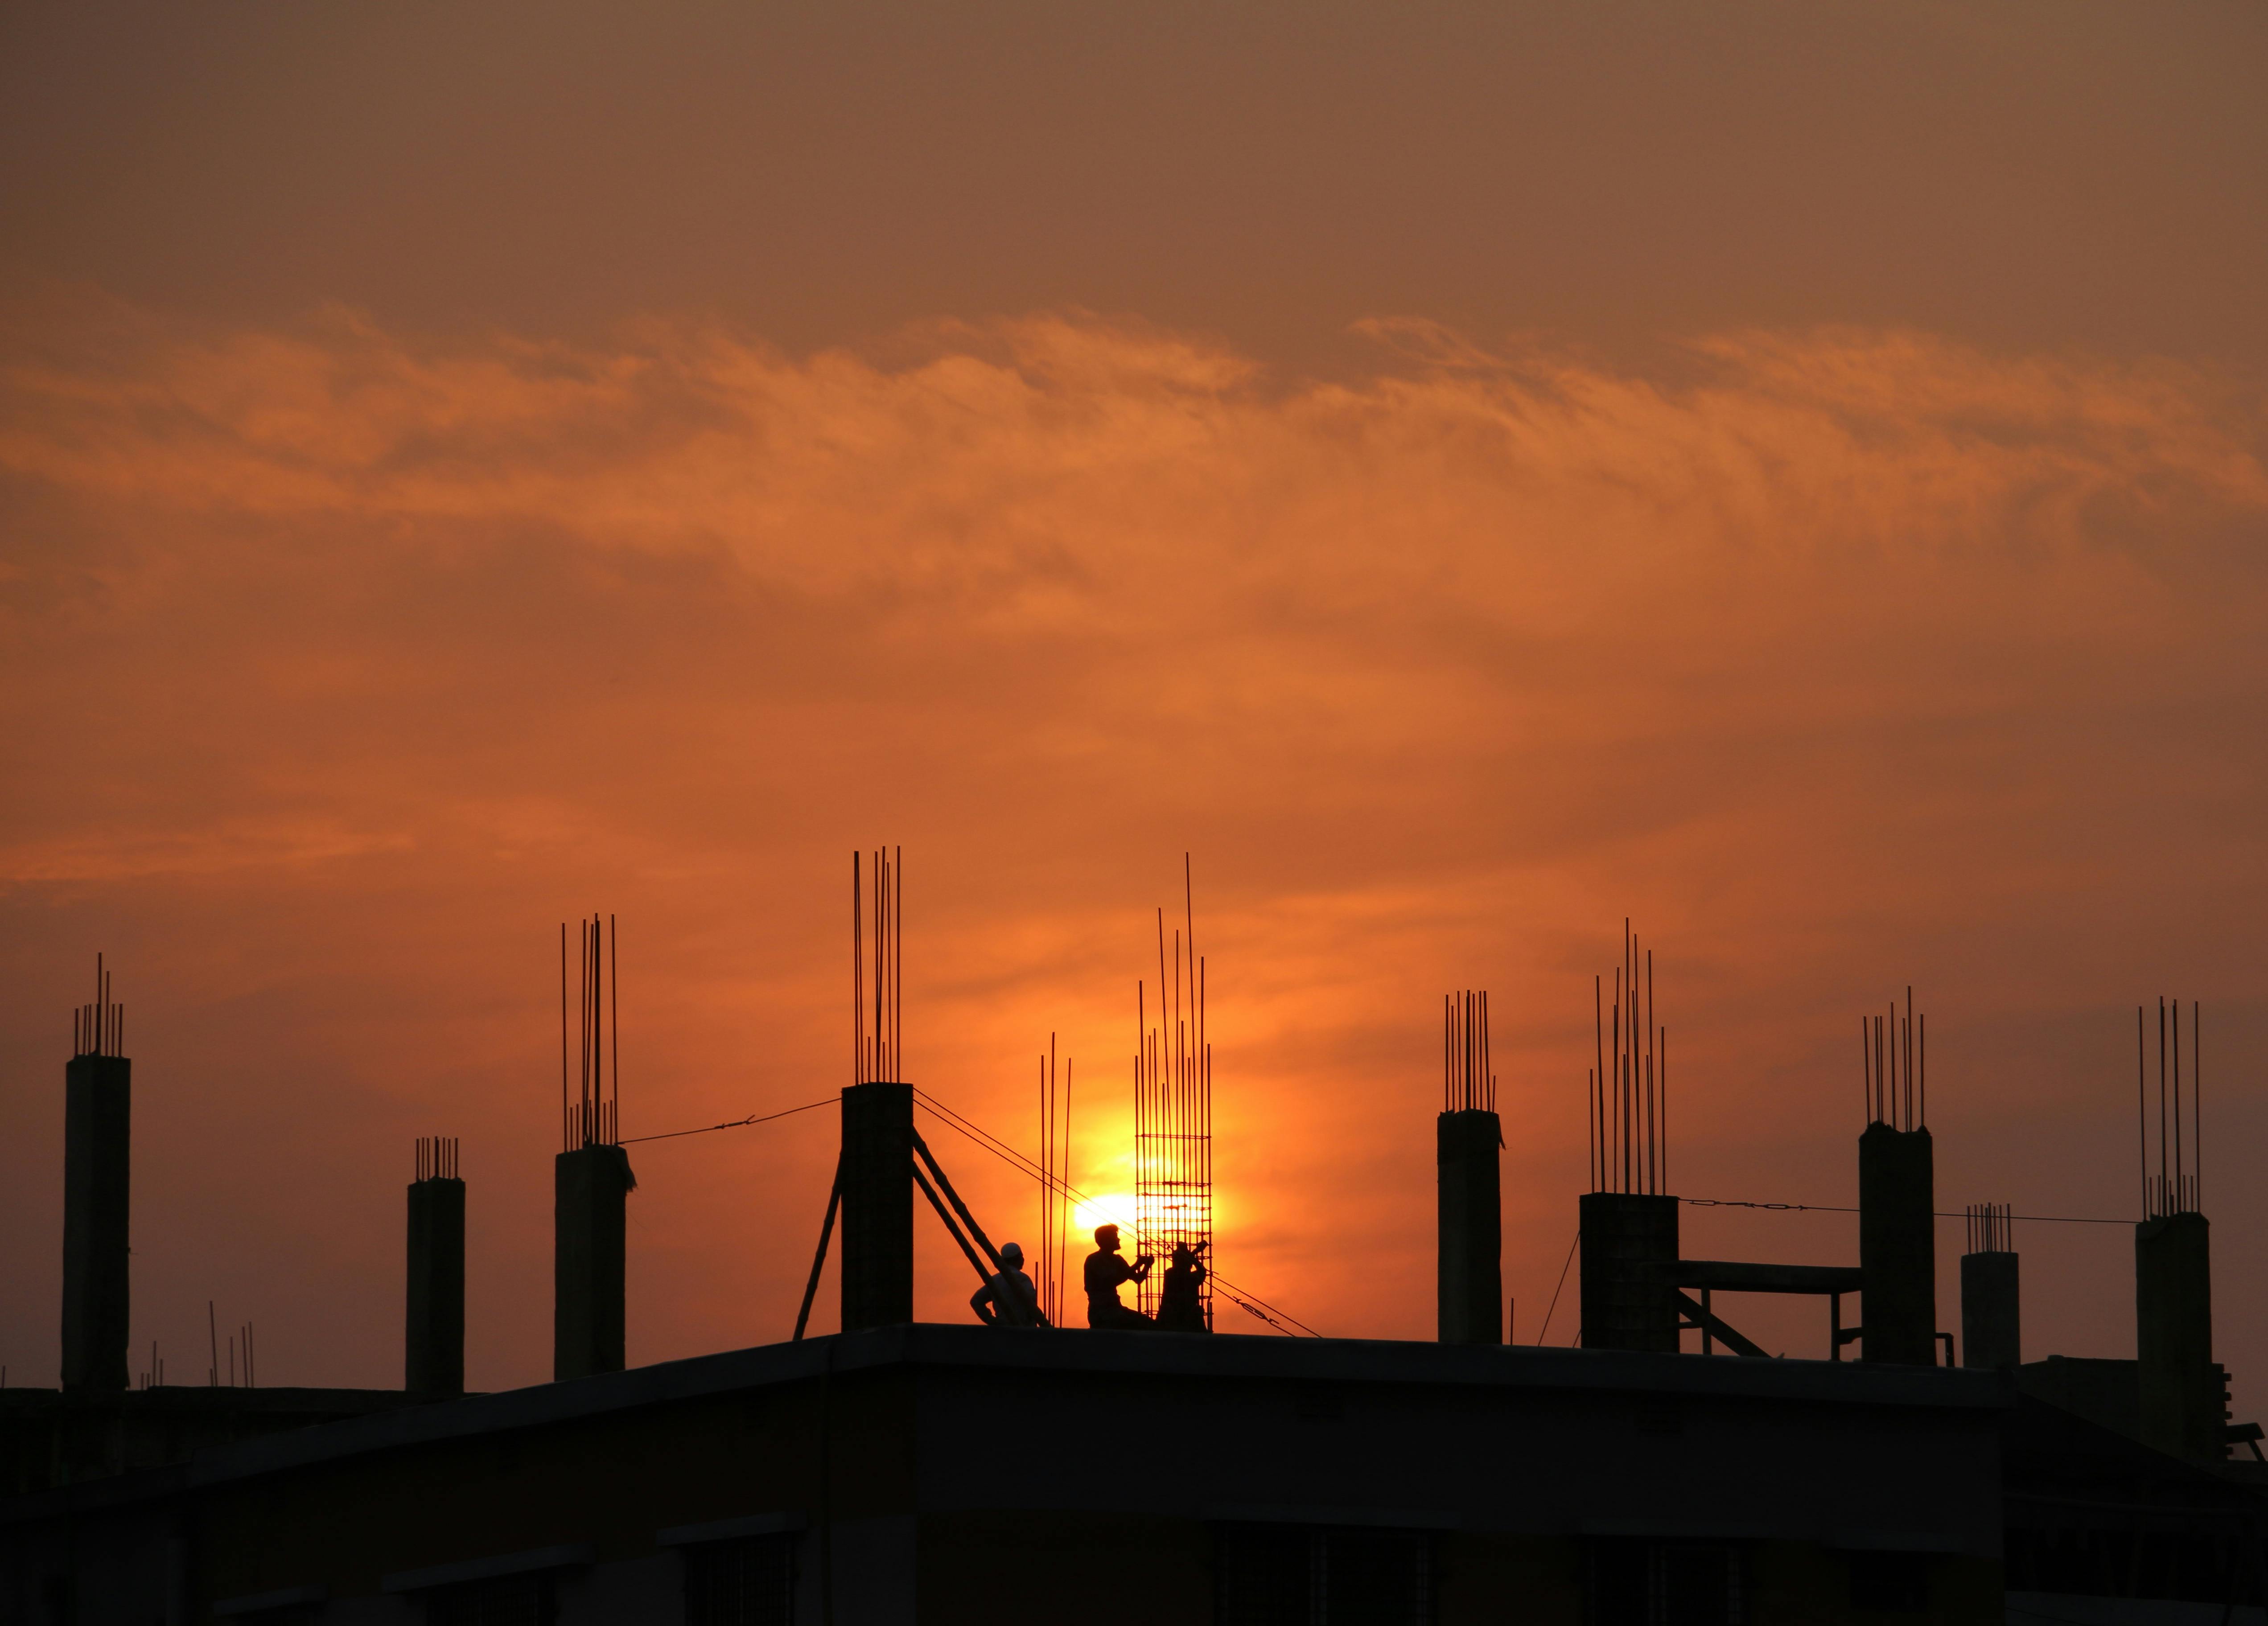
(2162,1104)
(615,1016)
(858,978)
(2178,1182)
(1598,1079)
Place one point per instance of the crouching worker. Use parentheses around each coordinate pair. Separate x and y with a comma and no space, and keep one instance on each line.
(1106,1273)
(1009,1299)
(1180,1307)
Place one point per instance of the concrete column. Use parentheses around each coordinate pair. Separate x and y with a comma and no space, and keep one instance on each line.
(878,1205)
(590,1186)
(98,1116)
(2179,1384)
(434,1329)
(1470,1266)
(1626,1238)
(1990,1324)
(1897,1245)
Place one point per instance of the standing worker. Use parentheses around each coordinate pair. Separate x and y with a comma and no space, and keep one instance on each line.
(1180,1310)
(1106,1273)
(1009,1299)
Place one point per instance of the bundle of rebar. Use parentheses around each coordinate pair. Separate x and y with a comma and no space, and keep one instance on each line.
(593,1115)
(1468,1078)
(877,1029)
(1630,1085)
(1897,1090)
(98,1028)
(1992,1228)
(2178,1187)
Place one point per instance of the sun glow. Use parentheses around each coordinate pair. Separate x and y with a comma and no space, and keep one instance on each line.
(1111,1208)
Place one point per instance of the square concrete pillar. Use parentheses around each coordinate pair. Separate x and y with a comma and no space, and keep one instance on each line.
(1897,1245)
(1627,1304)
(433,1360)
(97,1144)
(878,1205)
(590,1188)
(1469,1286)
(1991,1322)
(2180,1387)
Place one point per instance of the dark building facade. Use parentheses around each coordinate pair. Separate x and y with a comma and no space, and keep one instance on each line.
(953,1473)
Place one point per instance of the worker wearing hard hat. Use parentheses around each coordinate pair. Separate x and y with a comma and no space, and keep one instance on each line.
(1008,1299)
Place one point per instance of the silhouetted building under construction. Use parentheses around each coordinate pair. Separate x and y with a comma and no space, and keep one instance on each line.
(899,1472)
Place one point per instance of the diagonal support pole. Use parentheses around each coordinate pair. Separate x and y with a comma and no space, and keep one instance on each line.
(951,1228)
(819,1260)
(923,1153)
(1709,1322)
(921,1149)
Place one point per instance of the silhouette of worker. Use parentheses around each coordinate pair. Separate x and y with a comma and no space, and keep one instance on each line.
(1008,1299)
(1179,1309)
(1106,1273)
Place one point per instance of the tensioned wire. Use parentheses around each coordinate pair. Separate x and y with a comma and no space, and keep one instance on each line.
(736,1123)
(1825,1208)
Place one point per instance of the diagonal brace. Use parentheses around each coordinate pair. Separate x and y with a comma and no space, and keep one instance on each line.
(819,1260)
(926,1157)
(1708,1320)
(922,1150)
(968,1253)
(952,1229)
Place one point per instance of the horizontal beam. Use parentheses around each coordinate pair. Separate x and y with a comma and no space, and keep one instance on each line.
(1727,1276)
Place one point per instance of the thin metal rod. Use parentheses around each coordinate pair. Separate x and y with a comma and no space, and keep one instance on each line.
(898,963)
(1063,1257)
(614,1015)
(1598,1079)
(2178,1205)
(1621,1174)
(858,985)
(1488,1060)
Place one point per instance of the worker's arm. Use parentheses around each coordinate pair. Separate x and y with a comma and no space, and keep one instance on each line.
(980,1301)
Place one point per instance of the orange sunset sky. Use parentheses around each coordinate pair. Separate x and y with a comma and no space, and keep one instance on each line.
(1792,475)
